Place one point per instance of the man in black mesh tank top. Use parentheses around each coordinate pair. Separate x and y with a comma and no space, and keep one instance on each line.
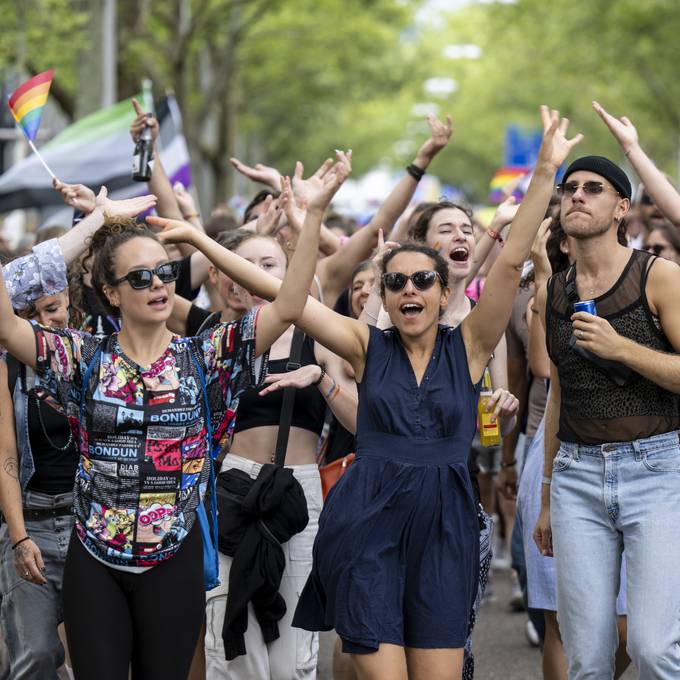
(612,457)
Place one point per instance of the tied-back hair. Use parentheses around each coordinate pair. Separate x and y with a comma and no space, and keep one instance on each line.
(423,222)
(102,252)
(440,264)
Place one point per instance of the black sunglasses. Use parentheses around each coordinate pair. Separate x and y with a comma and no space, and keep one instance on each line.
(422,280)
(591,188)
(142,278)
(657,248)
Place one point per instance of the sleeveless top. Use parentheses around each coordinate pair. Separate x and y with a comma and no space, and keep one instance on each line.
(309,407)
(397,419)
(594,408)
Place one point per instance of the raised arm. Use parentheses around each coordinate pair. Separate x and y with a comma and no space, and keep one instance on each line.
(96,208)
(657,186)
(483,327)
(335,271)
(491,238)
(16,334)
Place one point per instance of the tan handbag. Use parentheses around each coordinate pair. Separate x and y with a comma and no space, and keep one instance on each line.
(333,471)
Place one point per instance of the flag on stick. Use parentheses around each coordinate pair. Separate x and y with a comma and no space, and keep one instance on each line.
(27,103)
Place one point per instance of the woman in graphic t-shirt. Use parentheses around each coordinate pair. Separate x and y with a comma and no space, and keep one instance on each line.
(133,580)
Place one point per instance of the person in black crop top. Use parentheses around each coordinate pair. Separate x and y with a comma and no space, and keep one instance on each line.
(36,495)
(612,455)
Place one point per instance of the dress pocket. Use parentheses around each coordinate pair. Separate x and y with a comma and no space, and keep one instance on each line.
(663,460)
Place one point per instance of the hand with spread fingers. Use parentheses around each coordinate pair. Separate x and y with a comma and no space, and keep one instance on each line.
(305,188)
(555,146)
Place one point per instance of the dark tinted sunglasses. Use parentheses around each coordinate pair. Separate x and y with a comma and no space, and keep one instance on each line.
(423,280)
(142,278)
(591,188)
(657,248)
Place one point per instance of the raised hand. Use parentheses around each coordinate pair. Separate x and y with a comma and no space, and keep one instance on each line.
(539,253)
(173,231)
(78,196)
(439,138)
(268,220)
(264,174)
(185,200)
(295,216)
(141,121)
(555,146)
(302,187)
(383,248)
(127,207)
(505,212)
(325,182)
(623,130)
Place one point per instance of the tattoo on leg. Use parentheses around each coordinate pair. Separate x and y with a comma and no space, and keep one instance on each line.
(12,468)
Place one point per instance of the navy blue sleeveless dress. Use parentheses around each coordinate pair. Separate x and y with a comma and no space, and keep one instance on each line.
(396,559)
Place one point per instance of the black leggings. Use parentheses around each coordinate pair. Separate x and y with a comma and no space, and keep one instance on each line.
(150,622)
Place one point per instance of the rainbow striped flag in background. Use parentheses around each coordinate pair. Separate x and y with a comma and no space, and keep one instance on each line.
(505,182)
(28,102)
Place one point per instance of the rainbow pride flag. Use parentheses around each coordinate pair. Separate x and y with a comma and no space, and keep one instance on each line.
(28,101)
(503,180)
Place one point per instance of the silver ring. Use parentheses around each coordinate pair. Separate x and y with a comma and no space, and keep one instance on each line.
(580,335)
(27,574)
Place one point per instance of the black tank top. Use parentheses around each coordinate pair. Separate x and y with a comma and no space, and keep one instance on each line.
(309,407)
(594,409)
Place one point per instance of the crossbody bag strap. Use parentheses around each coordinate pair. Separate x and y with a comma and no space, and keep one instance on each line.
(570,285)
(208,527)
(288,399)
(85,382)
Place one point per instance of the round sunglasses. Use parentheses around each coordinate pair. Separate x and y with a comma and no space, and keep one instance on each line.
(422,280)
(142,278)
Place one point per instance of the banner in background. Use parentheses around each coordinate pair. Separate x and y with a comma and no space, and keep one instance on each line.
(96,150)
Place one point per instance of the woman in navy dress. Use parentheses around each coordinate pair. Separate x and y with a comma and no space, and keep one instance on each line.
(395,560)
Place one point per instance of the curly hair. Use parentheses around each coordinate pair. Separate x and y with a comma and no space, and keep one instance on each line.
(103,246)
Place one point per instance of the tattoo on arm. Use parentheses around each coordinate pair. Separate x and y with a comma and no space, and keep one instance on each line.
(11,467)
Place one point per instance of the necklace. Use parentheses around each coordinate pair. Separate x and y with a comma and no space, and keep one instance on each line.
(66,446)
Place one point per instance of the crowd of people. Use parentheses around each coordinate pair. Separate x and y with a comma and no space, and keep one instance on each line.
(273,426)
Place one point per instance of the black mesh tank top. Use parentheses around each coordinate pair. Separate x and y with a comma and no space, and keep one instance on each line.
(594,409)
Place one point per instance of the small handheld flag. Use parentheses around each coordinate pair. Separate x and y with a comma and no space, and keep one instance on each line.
(27,103)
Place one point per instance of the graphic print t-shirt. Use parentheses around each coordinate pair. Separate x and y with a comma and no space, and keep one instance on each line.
(142,433)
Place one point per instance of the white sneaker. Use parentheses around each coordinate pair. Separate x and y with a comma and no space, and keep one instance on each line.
(532,635)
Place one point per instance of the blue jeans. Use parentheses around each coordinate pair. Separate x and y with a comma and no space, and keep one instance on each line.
(604,498)
(30,613)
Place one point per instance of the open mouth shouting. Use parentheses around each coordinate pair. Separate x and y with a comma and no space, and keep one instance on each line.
(410,310)
(460,255)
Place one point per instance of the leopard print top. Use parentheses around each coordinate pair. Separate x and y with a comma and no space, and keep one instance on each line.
(594,409)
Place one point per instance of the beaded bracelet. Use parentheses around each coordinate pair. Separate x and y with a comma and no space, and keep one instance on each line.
(546,480)
(509,464)
(316,383)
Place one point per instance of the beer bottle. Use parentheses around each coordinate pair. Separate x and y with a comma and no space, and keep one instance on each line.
(141,160)
(489,429)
